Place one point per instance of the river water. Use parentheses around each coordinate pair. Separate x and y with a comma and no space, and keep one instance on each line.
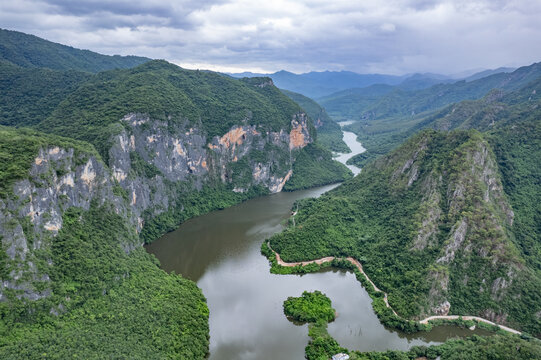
(221,252)
(356,148)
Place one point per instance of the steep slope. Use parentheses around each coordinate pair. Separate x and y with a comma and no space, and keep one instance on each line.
(493,110)
(438,205)
(73,273)
(184,142)
(497,106)
(30,95)
(31,51)
(329,133)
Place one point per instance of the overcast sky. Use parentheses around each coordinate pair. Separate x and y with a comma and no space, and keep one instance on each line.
(365,36)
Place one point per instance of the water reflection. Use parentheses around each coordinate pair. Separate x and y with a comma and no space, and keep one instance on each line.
(221,252)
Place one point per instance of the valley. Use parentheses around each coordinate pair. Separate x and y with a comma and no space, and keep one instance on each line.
(149,211)
(221,252)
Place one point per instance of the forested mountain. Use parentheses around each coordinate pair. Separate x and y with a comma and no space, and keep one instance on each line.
(329,133)
(380,106)
(29,95)
(518,97)
(31,51)
(459,211)
(344,105)
(75,280)
(115,159)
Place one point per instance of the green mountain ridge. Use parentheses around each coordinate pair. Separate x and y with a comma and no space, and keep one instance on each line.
(460,212)
(448,222)
(399,103)
(30,95)
(144,149)
(494,107)
(91,283)
(165,91)
(31,51)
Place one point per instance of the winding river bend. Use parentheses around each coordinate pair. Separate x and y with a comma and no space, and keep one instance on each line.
(221,252)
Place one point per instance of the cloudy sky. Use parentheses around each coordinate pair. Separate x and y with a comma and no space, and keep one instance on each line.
(365,36)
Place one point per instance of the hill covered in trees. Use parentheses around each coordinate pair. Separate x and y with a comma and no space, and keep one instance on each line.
(458,211)
(115,159)
(30,51)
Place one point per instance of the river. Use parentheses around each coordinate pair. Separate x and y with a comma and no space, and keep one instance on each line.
(221,252)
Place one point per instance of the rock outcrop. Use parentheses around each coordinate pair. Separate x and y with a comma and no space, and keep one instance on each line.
(30,219)
(152,164)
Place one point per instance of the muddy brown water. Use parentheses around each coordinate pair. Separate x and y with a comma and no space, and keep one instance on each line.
(221,252)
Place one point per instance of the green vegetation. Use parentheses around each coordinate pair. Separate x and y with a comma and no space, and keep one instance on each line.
(348,104)
(385,315)
(329,133)
(30,95)
(314,308)
(518,149)
(386,118)
(314,166)
(310,307)
(501,346)
(382,211)
(378,103)
(19,148)
(31,51)
(110,304)
(167,92)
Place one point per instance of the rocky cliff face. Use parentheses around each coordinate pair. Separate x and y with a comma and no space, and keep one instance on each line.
(32,216)
(150,158)
(152,165)
(463,216)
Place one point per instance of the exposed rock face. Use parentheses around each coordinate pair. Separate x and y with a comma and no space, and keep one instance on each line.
(32,217)
(152,162)
(299,136)
(463,195)
(182,153)
(477,207)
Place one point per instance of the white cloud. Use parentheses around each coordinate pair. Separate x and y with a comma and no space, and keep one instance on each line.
(394,36)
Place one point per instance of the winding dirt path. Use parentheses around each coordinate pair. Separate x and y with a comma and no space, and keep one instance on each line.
(360,267)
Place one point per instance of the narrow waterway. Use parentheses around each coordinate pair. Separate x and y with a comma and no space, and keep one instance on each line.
(356,148)
(221,252)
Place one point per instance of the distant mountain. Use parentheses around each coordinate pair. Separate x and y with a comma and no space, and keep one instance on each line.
(31,51)
(319,84)
(486,73)
(502,93)
(401,103)
(423,81)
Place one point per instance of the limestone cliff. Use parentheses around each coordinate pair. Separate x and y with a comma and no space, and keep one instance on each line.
(31,216)
(240,159)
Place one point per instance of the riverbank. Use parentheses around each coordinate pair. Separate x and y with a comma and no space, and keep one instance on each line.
(330,259)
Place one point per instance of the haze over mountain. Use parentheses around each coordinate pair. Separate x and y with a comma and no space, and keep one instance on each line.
(317,85)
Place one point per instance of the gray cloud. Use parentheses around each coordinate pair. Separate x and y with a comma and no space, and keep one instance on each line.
(393,36)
